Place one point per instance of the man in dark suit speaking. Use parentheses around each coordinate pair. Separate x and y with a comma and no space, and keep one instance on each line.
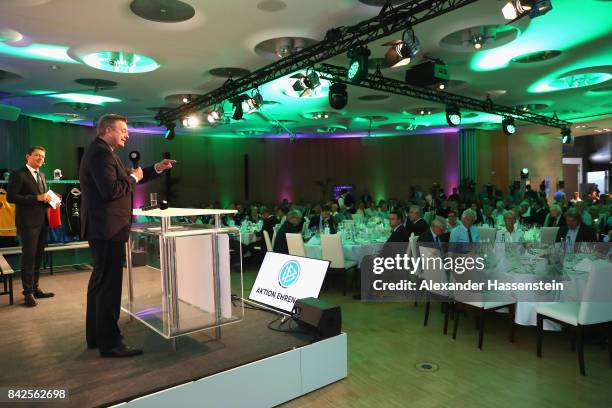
(106,215)
(27,189)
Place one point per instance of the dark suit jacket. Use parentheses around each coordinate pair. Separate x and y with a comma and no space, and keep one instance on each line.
(107,189)
(22,191)
(316,220)
(417,228)
(399,235)
(268,225)
(280,245)
(427,236)
(549,222)
(585,234)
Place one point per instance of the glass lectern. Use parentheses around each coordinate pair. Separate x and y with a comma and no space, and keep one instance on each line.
(178,272)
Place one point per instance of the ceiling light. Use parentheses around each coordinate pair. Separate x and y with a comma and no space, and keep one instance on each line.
(306,83)
(191,121)
(453,116)
(566,135)
(442,87)
(518,8)
(169,135)
(524,173)
(338,97)
(508,126)
(358,67)
(478,41)
(402,51)
(185,99)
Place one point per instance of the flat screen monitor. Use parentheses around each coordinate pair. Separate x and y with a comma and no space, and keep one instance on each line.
(283,279)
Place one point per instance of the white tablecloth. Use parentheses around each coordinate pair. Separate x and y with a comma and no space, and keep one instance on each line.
(352,251)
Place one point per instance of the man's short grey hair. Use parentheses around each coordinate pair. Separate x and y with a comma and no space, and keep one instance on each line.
(469,213)
(294,213)
(439,222)
(417,209)
(556,207)
(509,214)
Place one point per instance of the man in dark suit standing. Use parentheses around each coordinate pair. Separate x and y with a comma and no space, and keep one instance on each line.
(27,189)
(106,215)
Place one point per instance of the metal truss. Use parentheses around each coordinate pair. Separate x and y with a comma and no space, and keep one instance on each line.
(379,82)
(391,19)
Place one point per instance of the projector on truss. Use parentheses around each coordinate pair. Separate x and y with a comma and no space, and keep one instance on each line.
(427,74)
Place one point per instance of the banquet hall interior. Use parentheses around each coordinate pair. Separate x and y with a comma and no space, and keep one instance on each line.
(374,122)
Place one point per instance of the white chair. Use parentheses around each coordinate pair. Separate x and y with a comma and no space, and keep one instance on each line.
(487,234)
(306,225)
(295,244)
(269,246)
(548,235)
(481,301)
(436,274)
(331,249)
(414,251)
(594,309)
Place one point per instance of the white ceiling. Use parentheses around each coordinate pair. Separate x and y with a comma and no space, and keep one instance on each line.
(223,33)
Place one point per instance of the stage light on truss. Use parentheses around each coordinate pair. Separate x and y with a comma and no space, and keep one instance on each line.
(401,52)
(306,83)
(191,121)
(214,116)
(358,67)
(252,103)
(518,8)
(566,135)
(170,131)
(453,116)
(508,126)
(338,97)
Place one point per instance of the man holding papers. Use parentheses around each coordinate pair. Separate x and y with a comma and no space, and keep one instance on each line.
(27,189)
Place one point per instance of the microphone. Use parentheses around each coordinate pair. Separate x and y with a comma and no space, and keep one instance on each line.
(135,158)
(162,205)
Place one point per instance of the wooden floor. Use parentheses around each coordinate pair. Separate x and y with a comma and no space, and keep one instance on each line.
(387,341)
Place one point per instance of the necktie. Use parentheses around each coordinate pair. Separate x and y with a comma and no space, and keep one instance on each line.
(39,182)
(470,235)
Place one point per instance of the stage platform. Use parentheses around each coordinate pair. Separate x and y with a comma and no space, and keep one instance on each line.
(45,347)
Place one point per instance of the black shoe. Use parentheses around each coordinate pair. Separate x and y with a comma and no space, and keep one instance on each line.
(121,351)
(29,300)
(39,294)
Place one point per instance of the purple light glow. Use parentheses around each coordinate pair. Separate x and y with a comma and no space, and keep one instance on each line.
(149,311)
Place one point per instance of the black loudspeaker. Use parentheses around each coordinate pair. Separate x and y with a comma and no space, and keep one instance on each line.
(319,316)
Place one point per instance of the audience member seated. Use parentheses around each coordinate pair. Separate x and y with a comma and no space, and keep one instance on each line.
(269,222)
(574,230)
(554,217)
(436,233)
(586,216)
(466,231)
(452,222)
(323,221)
(415,224)
(538,212)
(292,226)
(509,233)
(487,216)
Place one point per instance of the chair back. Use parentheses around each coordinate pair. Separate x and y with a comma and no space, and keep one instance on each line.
(331,249)
(596,307)
(548,235)
(434,272)
(469,275)
(295,244)
(487,234)
(268,242)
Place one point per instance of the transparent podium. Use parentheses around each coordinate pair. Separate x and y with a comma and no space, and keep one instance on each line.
(178,272)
